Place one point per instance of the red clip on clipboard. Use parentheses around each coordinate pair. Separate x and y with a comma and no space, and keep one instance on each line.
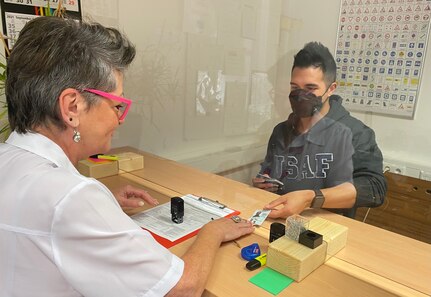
(197,212)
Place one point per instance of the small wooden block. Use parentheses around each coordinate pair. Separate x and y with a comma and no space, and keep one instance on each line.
(293,259)
(97,170)
(334,234)
(129,161)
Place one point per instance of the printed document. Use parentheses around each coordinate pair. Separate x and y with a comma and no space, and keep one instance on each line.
(197,212)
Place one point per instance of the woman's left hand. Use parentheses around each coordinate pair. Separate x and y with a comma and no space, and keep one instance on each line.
(133,197)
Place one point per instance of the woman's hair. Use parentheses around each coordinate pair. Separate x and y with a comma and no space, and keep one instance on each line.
(315,54)
(53,54)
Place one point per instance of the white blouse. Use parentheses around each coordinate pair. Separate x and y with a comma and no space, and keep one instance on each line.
(63,234)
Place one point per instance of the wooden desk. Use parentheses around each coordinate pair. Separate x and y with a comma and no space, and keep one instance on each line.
(375,262)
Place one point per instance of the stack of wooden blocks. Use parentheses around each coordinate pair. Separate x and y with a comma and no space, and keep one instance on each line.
(126,162)
(296,260)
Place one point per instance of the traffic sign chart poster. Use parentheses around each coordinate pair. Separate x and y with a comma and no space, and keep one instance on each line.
(381,46)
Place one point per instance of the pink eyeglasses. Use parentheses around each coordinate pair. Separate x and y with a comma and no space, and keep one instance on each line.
(123,109)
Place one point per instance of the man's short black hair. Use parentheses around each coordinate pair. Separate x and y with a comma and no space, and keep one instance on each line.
(315,54)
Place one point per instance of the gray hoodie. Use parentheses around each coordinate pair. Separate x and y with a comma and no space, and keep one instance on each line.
(339,148)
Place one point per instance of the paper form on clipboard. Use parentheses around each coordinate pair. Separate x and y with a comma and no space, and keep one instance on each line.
(197,212)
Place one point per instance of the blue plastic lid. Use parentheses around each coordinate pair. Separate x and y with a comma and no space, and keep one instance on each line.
(250,252)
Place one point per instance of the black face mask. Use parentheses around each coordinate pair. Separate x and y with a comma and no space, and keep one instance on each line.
(304,103)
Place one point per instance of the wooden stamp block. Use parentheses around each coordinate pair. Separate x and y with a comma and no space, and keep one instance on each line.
(99,169)
(129,161)
(335,235)
(293,259)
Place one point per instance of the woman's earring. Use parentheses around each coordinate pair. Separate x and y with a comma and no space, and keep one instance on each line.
(76,136)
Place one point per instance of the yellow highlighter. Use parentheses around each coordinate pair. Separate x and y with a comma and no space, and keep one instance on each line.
(105,157)
(256,262)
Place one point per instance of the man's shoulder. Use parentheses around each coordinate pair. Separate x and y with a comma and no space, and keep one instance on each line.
(280,127)
(332,133)
(342,116)
(358,128)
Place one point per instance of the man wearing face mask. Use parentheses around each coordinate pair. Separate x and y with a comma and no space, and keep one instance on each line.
(323,157)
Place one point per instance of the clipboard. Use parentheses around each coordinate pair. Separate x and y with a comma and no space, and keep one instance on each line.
(197,212)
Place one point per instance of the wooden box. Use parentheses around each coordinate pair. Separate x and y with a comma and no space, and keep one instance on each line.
(335,235)
(293,259)
(97,169)
(129,161)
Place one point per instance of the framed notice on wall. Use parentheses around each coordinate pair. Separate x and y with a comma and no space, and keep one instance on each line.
(16,13)
(381,47)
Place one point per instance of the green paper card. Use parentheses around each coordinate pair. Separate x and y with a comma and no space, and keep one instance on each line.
(271,281)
